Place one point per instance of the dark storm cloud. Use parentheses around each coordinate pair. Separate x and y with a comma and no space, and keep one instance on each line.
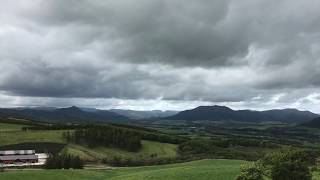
(171,32)
(197,33)
(247,52)
(39,78)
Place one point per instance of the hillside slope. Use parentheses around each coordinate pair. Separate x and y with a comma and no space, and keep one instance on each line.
(13,137)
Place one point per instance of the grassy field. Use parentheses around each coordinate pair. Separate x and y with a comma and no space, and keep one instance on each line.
(13,134)
(316,176)
(197,170)
(15,137)
(5,127)
(148,148)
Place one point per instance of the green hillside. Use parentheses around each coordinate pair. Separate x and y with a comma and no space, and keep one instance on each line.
(149,148)
(5,127)
(12,134)
(197,170)
(15,137)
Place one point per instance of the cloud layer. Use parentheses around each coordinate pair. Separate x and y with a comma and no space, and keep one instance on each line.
(251,53)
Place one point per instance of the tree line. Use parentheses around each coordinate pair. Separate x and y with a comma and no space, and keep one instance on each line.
(223,148)
(118,161)
(105,136)
(122,136)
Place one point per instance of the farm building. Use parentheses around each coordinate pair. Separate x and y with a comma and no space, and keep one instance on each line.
(18,156)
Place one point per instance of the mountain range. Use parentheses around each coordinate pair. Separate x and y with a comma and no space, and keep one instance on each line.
(62,115)
(208,113)
(220,113)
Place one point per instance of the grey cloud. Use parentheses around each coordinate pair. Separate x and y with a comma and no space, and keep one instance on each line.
(39,78)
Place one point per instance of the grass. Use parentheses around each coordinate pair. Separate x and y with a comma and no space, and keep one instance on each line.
(5,127)
(15,137)
(197,170)
(316,175)
(149,148)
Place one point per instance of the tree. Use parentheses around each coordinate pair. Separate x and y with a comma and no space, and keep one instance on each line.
(287,164)
(1,166)
(250,171)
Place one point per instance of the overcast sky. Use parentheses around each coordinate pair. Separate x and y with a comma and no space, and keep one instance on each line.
(160,54)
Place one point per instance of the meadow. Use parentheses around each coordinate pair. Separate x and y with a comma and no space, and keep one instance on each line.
(19,136)
(196,170)
(149,148)
(6,127)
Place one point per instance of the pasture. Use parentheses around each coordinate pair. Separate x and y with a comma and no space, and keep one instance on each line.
(196,170)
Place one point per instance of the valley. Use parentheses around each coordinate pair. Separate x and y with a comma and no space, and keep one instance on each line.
(170,149)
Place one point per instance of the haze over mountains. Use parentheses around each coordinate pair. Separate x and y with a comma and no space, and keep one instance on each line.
(209,113)
(144,114)
(76,114)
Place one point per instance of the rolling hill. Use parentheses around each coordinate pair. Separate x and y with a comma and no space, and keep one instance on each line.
(220,113)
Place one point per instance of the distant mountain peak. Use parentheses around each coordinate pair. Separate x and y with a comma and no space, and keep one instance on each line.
(72,108)
(214,107)
(222,113)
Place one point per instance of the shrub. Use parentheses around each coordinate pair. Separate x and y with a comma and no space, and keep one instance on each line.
(288,164)
(250,171)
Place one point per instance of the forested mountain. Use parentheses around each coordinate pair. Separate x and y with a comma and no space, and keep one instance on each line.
(210,113)
(220,113)
(314,123)
(63,115)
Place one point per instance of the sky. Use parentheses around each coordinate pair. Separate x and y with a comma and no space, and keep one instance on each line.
(160,54)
